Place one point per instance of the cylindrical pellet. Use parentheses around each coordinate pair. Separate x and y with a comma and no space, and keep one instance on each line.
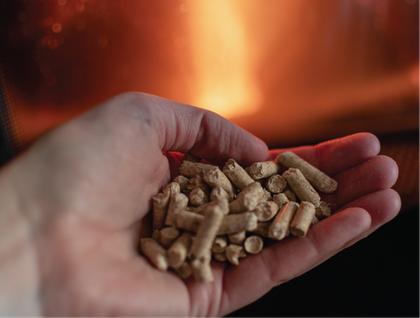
(280,225)
(178,251)
(244,203)
(323,210)
(275,184)
(168,235)
(247,199)
(222,203)
(201,268)
(262,229)
(219,244)
(237,238)
(160,207)
(239,177)
(191,169)
(155,253)
(206,232)
(218,193)
(290,195)
(317,178)
(198,183)
(265,211)
(280,199)
(234,252)
(215,177)
(260,170)
(185,270)
(234,223)
(198,197)
(178,202)
(301,186)
(189,221)
(182,181)
(302,219)
(266,196)
(253,244)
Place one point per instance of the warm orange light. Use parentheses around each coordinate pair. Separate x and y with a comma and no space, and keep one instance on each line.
(224,81)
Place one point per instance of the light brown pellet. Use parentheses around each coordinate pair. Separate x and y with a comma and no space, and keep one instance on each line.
(198,197)
(253,244)
(155,253)
(266,196)
(280,225)
(206,232)
(260,170)
(189,221)
(191,169)
(178,202)
(218,193)
(160,206)
(280,199)
(178,251)
(301,187)
(302,219)
(262,229)
(234,223)
(275,184)
(290,195)
(184,271)
(318,179)
(265,211)
(323,210)
(237,238)
(215,177)
(201,268)
(182,181)
(222,203)
(197,182)
(237,175)
(168,235)
(234,252)
(247,199)
(219,244)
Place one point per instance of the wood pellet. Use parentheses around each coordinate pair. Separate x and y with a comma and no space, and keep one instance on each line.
(207,213)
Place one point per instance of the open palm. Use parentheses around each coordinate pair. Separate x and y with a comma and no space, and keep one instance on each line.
(87,187)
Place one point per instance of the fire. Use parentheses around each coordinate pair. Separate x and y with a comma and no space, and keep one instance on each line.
(224,80)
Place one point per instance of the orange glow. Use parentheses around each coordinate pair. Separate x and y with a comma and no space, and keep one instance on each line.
(224,80)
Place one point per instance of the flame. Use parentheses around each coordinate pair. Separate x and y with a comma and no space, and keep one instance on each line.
(224,79)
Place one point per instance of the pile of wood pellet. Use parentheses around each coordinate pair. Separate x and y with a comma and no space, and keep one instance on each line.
(208,213)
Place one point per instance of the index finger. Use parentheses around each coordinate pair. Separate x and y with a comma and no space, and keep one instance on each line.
(205,134)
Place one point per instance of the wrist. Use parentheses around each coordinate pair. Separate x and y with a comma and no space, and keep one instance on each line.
(18,258)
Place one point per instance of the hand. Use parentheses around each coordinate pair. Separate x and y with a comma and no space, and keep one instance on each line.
(84,191)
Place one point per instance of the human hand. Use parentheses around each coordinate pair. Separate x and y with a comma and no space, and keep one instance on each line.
(85,192)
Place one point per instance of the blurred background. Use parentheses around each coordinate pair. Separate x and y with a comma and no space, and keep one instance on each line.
(292,72)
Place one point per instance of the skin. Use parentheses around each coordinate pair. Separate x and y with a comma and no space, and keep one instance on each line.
(74,204)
